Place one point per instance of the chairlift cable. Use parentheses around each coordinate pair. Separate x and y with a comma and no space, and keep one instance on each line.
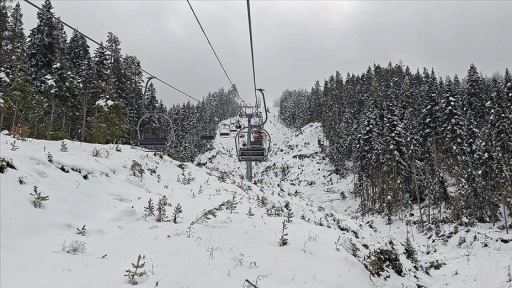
(252,49)
(99,44)
(215,53)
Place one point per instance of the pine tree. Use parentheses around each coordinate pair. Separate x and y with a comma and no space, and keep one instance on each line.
(161,213)
(150,209)
(115,82)
(283,241)
(16,92)
(176,213)
(135,273)
(81,66)
(133,78)
(42,47)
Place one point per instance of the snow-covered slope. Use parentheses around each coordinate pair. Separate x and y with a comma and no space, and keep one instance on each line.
(323,237)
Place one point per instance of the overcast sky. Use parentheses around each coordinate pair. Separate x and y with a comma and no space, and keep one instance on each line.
(295,42)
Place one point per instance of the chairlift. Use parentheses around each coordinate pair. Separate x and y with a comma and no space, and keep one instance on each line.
(255,148)
(233,125)
(207,137)
(224,130)
(148,141)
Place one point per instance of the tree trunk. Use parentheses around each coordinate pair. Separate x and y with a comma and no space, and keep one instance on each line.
(2,115)
(417,190)
(51,121)
(63,120)
(84,115)
(436,167)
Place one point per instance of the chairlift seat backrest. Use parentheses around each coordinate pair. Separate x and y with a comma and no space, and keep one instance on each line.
(207,137)
(153,142)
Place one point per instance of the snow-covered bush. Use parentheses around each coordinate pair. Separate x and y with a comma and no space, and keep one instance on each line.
(13,146)
(283,241)
(38,198)
(75,247)
(4,164)
(150,209)
(289,216)
(410,252)
(161,213)
(81,231)
(382,258)
(250,213)
(137,169)
(63,146)
(177,211)
(100,153)
(185,179)
(135,273)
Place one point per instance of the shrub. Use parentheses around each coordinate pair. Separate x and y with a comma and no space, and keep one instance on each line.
(81,231)
(409,251)
(185,179)
(63,146)
(383,258)
(150,209)
(250,213)
(13,146)
(135,273)
(100,153)
(177,211)
(38,198)
(50,157)
(75,247)
(4,164)
(161,213)
(283,241)
(137,169)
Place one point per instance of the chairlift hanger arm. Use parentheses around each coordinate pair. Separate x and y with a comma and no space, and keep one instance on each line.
(264,105)
(144,94)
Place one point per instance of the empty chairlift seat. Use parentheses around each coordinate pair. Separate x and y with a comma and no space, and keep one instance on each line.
(252,153)
(207,137)
(153,142)
(224,131)
(255,150)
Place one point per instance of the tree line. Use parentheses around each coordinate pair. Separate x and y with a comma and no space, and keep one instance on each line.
(52,87)
(416,140)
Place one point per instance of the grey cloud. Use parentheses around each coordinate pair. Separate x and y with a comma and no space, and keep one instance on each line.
(296,43)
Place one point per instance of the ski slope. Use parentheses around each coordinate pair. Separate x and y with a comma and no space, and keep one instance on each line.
(104,194)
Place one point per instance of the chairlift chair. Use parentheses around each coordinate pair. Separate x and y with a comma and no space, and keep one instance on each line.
(153,143)
(149,142)
(207,137)
(255,150)
(233,126)
(224,130)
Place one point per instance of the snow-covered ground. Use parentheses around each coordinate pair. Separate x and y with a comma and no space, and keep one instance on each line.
(323,237)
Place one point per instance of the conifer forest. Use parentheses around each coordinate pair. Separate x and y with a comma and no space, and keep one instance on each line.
(415,138)
(53,88)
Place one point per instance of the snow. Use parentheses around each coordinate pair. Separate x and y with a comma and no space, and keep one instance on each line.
(223,251)
(104,102)
(4,77)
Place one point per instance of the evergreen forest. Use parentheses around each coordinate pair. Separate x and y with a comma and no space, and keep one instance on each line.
(414,139)
(56,87)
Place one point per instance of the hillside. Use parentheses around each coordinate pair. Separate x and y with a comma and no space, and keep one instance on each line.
(329,245)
